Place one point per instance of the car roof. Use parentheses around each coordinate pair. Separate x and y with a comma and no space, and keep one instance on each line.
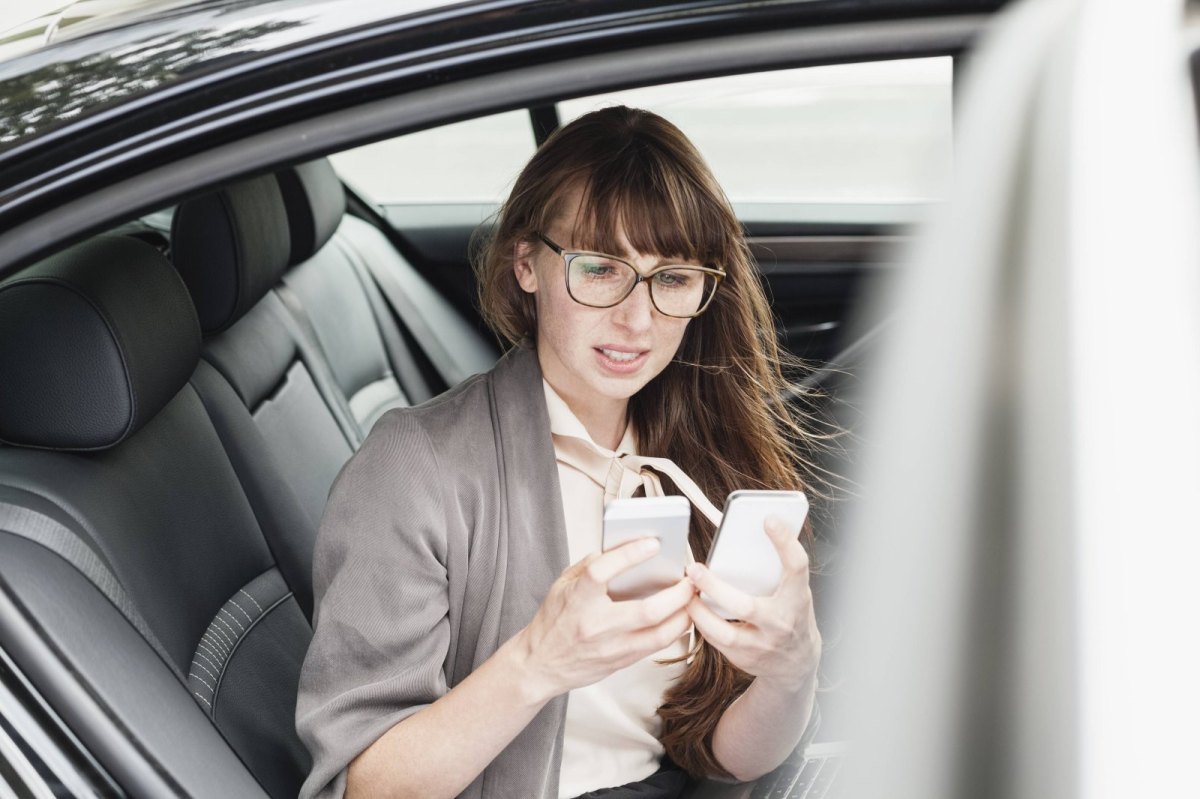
(115,50)
(66,20)
(144,84)
(60,20)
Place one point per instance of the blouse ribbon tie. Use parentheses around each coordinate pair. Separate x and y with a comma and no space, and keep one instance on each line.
(620,474)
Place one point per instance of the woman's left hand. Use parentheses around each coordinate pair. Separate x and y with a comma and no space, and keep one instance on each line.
(775,638)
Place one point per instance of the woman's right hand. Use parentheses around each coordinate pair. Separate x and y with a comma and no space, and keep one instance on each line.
(580,636)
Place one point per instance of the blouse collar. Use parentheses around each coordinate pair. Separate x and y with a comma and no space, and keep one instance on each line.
(564,422)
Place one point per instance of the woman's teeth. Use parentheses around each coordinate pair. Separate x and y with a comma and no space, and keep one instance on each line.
(620,356)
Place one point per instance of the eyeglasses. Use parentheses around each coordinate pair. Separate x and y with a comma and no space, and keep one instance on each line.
(602,281)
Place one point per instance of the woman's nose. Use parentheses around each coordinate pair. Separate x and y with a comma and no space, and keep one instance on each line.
(636,311)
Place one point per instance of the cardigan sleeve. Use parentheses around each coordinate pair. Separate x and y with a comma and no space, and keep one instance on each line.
(381,624)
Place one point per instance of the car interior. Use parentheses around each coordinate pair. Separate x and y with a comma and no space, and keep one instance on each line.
(182,390)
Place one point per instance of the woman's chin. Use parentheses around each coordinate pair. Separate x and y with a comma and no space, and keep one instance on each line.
(619,386)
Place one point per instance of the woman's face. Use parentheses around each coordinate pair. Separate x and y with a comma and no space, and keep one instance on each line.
(585,352)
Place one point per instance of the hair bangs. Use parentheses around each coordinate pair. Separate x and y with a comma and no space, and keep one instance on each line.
(660,207)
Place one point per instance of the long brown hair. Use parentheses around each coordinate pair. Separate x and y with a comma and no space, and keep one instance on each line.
(717,410)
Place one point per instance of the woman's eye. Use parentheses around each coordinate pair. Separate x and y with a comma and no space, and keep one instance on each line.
(673,280)
(598,269)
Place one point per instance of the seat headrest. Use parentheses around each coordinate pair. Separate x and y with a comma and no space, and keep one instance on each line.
(231,248)
(94,341)
(316,203)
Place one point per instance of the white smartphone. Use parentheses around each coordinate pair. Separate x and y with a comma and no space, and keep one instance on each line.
(742,554)
(664,518)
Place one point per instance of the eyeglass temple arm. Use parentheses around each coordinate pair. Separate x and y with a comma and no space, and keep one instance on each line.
(550,244)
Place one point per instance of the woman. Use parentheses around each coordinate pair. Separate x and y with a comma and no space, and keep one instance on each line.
(458,605)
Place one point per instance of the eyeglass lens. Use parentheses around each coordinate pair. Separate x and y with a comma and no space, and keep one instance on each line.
(601,282)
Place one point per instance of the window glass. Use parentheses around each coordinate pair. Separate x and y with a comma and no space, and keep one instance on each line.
(467,162)
(878,132)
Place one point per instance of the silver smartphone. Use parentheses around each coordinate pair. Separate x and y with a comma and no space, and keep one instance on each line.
(742,554)
(664,518)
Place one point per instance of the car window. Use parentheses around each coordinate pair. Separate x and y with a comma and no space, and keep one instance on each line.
(878,132)
(466,162)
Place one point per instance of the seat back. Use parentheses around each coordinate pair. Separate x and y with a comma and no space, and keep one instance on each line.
(270,391)
(416,324)
(371,361)
(108,435)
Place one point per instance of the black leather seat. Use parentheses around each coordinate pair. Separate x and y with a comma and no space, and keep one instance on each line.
(424,344)
(370,360)
(109,444)
(179,438)
(268,388)
(311,352)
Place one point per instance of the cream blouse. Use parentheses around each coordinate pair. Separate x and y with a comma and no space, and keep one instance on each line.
(612,728)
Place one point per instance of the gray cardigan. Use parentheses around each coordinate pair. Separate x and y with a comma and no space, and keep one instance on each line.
(441,537)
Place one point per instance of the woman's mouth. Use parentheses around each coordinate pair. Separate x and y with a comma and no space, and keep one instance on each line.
(620,361)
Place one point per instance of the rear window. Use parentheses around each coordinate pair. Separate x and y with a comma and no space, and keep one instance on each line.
(847,142)
(467,162)
(878,132)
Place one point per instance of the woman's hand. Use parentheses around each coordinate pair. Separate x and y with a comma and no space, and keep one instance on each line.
(776,638)
(579,635)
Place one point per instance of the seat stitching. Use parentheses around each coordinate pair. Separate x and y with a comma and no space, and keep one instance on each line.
(215,654)
(274,605)
(241,626)
(228,628)
(243,610)
(208,648)
(201,679)
(206,669)
(213,649)
(224,635)
(202,699)
(252,599)
(219,637)
(229,631)
(214,641)
(215,644)
(211,662)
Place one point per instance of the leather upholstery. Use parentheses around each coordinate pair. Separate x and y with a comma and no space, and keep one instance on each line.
(209,470)
(231,247)
(315,202)
(282,423)
(250,704)
(165,509)
(93,343)
(144,703)
(348,333)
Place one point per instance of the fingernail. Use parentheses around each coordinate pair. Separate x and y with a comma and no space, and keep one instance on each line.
(695,571)
(648,544)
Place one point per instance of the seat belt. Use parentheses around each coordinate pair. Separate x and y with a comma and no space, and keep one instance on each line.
(328,385)
(407,373)
(411,316)
(68,545)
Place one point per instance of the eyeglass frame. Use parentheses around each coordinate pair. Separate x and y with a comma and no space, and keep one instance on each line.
(567,255)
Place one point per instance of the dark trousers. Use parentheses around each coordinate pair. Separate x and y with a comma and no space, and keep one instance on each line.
(669,782)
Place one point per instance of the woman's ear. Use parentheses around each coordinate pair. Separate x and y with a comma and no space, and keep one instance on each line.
(523,266)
